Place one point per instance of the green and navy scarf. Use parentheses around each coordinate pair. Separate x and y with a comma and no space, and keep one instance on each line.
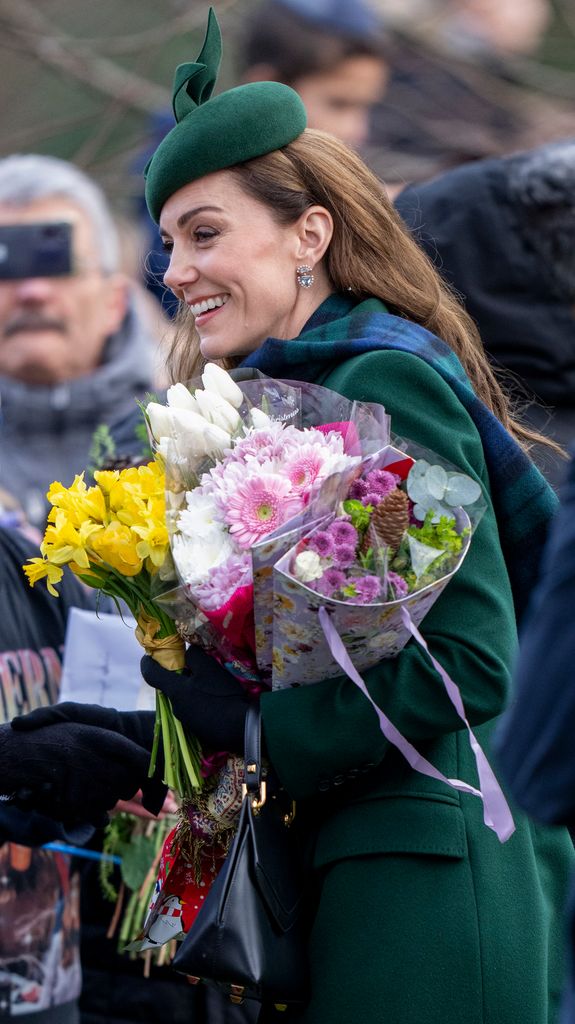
(523,501)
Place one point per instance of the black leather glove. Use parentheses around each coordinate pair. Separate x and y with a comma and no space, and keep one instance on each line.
(73,762)
(208,700)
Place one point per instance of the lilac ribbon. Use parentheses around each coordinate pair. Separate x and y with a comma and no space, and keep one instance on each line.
(496,812)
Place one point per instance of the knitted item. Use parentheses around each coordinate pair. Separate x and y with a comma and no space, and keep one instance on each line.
(391,519)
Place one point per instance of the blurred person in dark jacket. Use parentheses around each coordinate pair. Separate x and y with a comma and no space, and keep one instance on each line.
(465,85)
(53,923)
(502,234)
(75,351)
(534,742)
(39,898)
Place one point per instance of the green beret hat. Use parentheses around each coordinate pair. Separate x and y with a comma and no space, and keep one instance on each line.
(235,126)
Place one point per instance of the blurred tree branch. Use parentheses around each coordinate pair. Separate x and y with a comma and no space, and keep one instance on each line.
(22,20)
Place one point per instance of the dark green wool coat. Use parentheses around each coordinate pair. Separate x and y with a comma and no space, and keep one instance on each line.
(423,917)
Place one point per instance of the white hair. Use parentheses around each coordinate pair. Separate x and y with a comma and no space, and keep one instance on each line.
(29,177)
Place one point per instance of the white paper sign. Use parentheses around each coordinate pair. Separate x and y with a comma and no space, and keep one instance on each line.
(102,662)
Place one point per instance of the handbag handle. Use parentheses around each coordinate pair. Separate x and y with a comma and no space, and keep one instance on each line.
(254,785)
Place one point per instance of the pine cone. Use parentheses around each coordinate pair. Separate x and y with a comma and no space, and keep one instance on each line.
(391,519)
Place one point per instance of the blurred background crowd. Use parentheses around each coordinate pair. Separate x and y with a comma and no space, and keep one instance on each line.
(466,111)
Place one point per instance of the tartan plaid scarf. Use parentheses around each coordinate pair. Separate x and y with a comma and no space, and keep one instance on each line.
(341,328)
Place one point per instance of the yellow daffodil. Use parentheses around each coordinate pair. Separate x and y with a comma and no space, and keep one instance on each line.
(153,544)
(63,543)
(38,568)
(106,478)
(116,545)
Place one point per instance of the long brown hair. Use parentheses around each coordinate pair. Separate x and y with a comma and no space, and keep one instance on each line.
(371,253)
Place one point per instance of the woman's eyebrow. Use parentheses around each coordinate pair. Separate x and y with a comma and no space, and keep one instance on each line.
(187,216)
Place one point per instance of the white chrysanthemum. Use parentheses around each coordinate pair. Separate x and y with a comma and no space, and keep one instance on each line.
(195,559)
(308,566)
(200,515)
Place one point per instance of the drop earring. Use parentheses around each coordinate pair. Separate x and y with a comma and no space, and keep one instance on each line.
(304,276)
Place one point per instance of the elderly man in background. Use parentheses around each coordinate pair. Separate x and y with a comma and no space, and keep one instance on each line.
(75,351)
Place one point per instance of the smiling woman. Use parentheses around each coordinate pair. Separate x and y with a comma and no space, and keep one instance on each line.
(288,258)
(216,235)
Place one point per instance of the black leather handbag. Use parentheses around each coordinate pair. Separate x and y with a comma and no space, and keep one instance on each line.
(249,937)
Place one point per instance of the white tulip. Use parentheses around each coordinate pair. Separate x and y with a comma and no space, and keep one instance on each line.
(216,440)
(178,397)
(217,380)
(195,435)
(259,418)
(217,410)
(160,421)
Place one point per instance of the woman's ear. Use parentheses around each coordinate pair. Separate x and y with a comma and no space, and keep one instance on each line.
(314,233)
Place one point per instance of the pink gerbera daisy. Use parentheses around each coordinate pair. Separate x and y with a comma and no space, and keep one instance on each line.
(304,467)
(259,505)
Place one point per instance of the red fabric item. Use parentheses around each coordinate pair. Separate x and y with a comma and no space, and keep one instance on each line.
(235,619)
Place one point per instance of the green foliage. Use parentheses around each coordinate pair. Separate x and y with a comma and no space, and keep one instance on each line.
(102,448)
(116,835)
(442,535)
(141,432)
(136,849)
(360,514)
(367,559)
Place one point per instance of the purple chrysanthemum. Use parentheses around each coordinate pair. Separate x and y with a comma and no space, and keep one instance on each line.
(367,589)
(343,556)
(358,490)
(223,581)
(372,498)
(381,482)
(332,580)
(343,532)
(323,543)
(397,585)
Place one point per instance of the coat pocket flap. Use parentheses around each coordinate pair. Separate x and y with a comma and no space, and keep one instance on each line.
(425,826)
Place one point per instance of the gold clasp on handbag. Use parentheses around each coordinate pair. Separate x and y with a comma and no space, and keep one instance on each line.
(237,994)
(289,817)
(259,800)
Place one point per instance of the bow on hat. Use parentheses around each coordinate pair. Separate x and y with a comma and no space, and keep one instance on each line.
(194,82)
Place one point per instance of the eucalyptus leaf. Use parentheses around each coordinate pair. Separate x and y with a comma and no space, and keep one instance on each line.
(419,469)
(417,489)
(436,481)
(462,490)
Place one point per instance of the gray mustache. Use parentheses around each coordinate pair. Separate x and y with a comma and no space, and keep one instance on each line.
(33,323)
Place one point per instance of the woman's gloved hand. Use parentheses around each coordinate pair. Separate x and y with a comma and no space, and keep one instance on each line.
(73,762)
(137,726)
(208,700)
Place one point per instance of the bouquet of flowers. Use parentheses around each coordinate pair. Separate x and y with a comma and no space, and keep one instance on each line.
(392,545)
(113,536)
(242,488)
(288,505)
